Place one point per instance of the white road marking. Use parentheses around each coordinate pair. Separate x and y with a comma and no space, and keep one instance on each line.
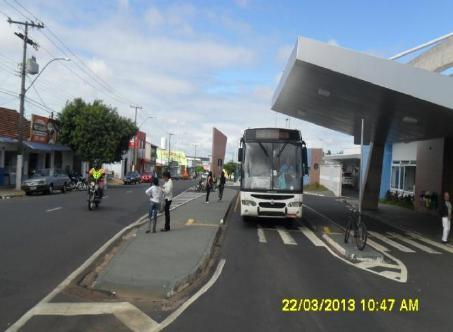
(431,242)
(261,236)
(174,315)
(334,244)
(105,197)
(127,313)
(54,209)
(377,246)
(30,313)
(311,236)
(401,277)
(286,237)
(413,243)
(390,242)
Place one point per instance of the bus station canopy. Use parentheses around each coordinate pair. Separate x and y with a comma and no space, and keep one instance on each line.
(335,88)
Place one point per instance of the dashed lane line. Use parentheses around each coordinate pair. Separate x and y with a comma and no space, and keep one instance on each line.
(312,236)
(286,236)
(390,242)
(377,246)
(54,209)
(413,243)
(431,242)
(261,236)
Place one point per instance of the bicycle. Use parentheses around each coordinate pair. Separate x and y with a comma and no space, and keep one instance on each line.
(360,232)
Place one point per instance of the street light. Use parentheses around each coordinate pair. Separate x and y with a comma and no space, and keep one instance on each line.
(20,155)
(48,63)
(149,117)
(169,149)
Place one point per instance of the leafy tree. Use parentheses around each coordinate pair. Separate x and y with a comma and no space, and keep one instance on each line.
(230,167)
(95,130)
(199,169)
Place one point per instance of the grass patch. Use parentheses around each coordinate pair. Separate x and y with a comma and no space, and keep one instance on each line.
(408,204)
(315,187)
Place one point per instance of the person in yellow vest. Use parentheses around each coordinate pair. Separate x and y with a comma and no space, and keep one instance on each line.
(97,174)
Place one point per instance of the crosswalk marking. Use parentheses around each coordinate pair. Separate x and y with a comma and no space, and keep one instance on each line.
(431,242)
(286,237)
(376,245)
(413,243)
(261,236)
(390,242)
(311,236)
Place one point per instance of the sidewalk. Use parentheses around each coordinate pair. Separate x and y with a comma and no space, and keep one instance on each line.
(6,193)
(163,263)
(408,220)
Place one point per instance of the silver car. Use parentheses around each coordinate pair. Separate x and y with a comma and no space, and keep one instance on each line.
(42,181)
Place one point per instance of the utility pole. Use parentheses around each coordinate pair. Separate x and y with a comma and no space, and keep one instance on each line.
(24,37)
(134,163)
(169,149)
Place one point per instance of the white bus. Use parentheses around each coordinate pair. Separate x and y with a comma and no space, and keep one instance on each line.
(273,164)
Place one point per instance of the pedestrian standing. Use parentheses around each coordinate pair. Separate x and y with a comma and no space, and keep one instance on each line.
(445,213)
(155,194)
(168,196)
(221,185)
(209,184)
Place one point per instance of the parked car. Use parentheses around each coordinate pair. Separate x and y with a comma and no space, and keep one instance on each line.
(131,178)
(146,177)
(42,181)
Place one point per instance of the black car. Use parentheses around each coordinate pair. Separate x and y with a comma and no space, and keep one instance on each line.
(131,178)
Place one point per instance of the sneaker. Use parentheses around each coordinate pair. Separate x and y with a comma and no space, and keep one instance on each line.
(147,231)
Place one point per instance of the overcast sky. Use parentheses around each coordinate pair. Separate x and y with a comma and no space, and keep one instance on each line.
(193,65)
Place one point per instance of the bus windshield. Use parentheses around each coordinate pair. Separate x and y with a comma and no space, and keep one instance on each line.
(272,166)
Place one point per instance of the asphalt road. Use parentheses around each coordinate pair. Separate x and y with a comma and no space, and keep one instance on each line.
(257,276)
(44,238)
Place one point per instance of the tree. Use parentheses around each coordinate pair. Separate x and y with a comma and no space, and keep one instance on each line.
(230,167)
(199,169)
(95,130)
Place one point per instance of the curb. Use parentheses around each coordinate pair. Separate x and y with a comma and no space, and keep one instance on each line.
(12,195)
(335,246)
(109,245)
(207,256)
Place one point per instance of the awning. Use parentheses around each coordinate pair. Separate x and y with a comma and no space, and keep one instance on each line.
(46,147)
(335,87)
(4,139)
(341,156)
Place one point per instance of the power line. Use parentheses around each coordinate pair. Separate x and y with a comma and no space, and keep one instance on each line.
(82,66)
(93,78)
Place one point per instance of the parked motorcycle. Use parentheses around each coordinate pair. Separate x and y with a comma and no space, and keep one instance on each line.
(94,197)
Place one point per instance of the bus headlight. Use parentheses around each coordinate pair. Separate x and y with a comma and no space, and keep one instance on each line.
(246,202)
(294,204)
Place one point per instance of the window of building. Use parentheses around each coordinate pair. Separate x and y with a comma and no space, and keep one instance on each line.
(403,177)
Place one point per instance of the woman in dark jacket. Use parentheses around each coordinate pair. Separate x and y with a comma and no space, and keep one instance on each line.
(209,184)
(445,210)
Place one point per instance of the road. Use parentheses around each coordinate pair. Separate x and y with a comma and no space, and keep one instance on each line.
(257,276)
(44,238)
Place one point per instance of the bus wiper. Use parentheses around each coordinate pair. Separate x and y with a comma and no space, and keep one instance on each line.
(262,147)
(281,150)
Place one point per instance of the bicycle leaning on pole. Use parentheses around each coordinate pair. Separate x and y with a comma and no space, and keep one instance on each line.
(356,224)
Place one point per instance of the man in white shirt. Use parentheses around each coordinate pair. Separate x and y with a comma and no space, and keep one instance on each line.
(155,194)
(168,196)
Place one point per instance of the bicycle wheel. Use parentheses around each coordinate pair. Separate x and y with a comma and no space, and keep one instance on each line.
(347,231)
(361,236)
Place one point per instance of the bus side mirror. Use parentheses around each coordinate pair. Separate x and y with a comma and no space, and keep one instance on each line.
(304,159)
(240,153)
